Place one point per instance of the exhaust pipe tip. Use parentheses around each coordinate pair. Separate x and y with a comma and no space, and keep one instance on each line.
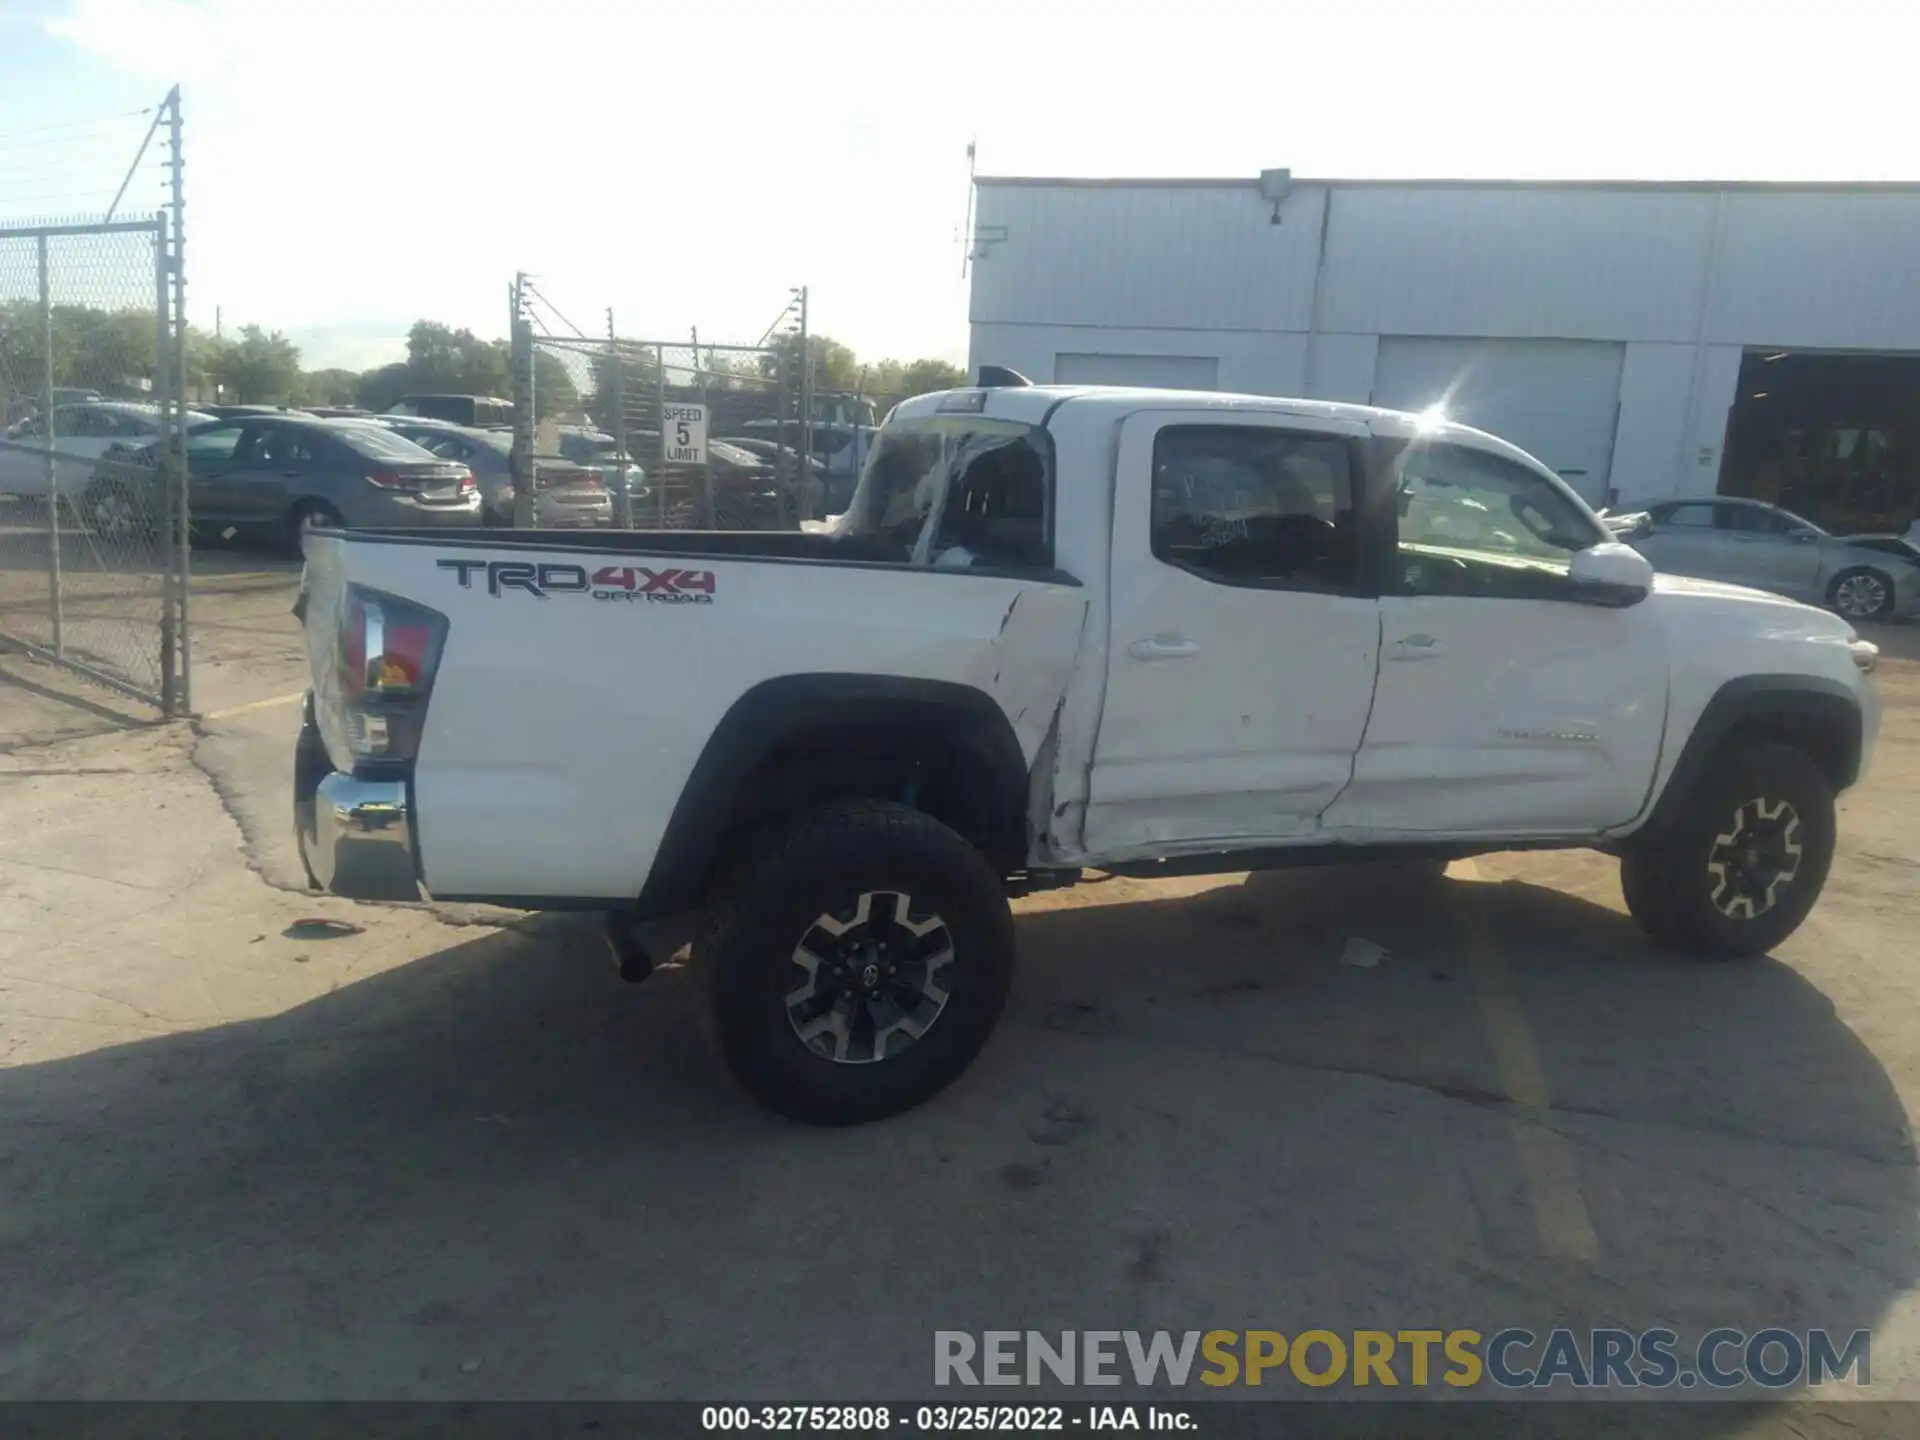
(630,957)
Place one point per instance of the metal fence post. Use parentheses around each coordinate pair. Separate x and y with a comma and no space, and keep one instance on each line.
(176,436)
(47,427)
(786,472)
(169,558)
(660,386)
(706,453)
(622,496)
(521,357)
(806,391)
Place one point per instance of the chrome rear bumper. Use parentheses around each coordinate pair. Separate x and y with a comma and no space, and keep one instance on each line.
(355,836)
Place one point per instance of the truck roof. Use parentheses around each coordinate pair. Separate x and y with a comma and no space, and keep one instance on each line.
(1034,403)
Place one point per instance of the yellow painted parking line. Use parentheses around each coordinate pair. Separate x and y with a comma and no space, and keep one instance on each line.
(1552,1169)
(233,710)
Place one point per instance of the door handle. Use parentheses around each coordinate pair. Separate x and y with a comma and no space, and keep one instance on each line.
(1163,647)
(1416,647)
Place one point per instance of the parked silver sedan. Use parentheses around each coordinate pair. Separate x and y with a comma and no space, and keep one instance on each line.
(1748,542)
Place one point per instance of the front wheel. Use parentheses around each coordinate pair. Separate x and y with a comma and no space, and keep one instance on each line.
(1861,594)
(1741,865)
(860,955)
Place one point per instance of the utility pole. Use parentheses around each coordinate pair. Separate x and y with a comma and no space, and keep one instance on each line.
(216,322)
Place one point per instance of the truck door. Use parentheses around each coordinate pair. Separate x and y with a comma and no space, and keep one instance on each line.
(1506,706)
(1243,643)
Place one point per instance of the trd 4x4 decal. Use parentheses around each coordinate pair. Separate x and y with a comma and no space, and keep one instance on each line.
(609,582)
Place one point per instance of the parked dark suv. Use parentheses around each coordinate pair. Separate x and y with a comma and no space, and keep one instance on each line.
(480,411)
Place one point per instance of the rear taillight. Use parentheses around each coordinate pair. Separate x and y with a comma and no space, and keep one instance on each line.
(467,482)
(388,652)
(388,480)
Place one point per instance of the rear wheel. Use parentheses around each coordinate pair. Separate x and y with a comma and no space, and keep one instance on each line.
(1862,594)
(860,955)
(309,516)
(116,511)
(1737,870)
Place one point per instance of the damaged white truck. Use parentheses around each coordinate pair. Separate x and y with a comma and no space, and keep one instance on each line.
(1150,632)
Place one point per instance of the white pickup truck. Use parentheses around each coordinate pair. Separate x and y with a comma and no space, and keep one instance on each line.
(1153,633)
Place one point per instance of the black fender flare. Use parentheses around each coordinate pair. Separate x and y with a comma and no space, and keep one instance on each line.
(1809,706)
(780,710)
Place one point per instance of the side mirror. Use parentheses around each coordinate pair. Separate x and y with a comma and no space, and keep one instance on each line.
(1609,574)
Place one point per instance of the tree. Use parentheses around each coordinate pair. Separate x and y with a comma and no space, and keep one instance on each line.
(638,382)
(555,396)
(260,368)
(379,389)
(93,349)
(441,359)
(835,366)
(900,379)
(328,387)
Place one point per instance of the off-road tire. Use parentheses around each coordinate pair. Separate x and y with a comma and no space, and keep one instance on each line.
(1677,897)
(821,863)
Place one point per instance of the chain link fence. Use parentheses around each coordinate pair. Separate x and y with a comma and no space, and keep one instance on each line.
(680,437)
(91,561)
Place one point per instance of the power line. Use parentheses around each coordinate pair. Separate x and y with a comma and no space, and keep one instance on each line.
(75,124)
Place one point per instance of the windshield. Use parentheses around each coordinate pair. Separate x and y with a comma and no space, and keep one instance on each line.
(956,491)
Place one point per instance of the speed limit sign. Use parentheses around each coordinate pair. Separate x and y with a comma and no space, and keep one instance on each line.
(683,435)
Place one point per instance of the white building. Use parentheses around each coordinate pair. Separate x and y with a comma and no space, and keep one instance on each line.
(1642,339)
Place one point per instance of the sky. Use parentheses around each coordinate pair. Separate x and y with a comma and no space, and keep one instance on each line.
(352,166)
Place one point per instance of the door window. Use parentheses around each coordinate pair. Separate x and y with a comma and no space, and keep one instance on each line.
(1255,506)
(85,423)
(278,448)
(1686,517)
(1472,523)
(1756,520)
(209,448)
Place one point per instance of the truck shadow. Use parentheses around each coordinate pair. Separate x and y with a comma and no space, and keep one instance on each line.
(494,1172)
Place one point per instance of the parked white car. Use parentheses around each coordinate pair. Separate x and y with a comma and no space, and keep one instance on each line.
(1156,633)
(82,434)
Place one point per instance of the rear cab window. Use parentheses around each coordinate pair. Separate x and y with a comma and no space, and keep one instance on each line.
(956,492)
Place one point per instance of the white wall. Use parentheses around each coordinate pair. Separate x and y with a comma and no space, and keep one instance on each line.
(1255,363)
(1340,367)
(1654,383)
(1685,276)
(1836,270)
(1185,257)
(1522,264)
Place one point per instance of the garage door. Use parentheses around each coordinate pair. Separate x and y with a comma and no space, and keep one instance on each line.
(1163,372)
(1555,399)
